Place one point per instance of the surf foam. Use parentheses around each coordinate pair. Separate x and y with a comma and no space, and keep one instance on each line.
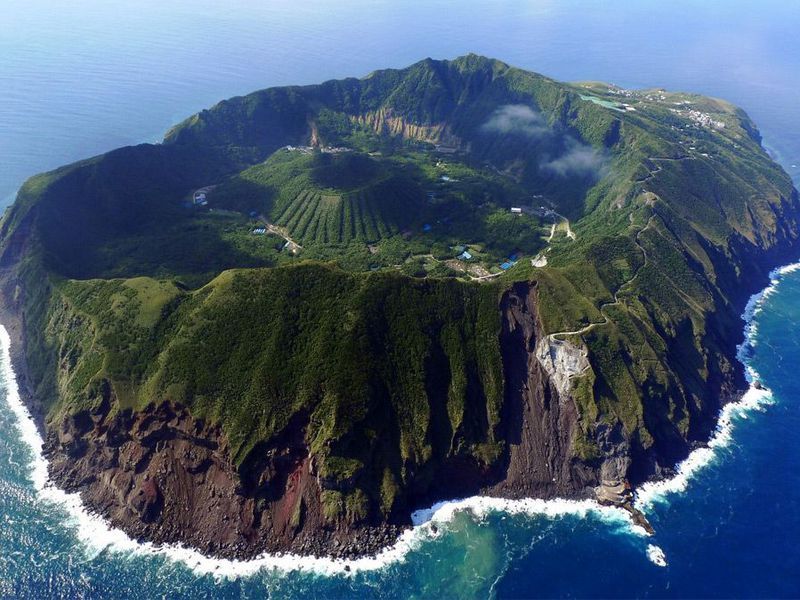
(98,536)
(754,399)
(656,555)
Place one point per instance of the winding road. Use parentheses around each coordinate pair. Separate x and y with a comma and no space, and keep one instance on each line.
(616,301)
(280,232)
(583,330)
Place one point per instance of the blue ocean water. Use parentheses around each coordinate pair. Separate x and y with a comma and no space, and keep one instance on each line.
(82,77)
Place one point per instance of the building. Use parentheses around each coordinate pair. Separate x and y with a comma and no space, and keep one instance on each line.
(516,210)
(465,255)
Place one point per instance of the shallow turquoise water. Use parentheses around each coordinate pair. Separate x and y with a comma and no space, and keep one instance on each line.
(83,77)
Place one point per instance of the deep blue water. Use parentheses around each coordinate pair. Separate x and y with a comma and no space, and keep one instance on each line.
(82,77)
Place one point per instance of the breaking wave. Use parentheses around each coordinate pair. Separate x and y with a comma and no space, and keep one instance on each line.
(98,536)
(656,555)
(754,399)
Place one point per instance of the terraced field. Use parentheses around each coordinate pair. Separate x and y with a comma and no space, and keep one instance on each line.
(369,214)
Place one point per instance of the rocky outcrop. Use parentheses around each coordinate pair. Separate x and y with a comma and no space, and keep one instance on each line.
(162,475)
(385,122)
(541,418)
(561,360)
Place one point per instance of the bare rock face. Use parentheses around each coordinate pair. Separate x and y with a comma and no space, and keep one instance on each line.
(385,121)
(541,416)
(562,361)
(146,500)
(163,476)
(615,449)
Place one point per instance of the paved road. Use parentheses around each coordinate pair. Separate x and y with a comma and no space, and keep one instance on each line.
(658,168)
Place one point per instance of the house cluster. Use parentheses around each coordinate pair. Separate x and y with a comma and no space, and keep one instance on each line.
(512,260)
(200,198)
(699,118)
(334,149)
(323,149)
(302,149)
(290,246)
(445,149)
(539,211)
(462,253)
(653,96)
(621,92)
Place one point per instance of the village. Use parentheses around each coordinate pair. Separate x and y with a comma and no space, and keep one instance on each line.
(469,259)
(464,258)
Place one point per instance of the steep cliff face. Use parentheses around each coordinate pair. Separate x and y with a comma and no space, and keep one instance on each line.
(162,474)
(385,122)
(196,388)
(541,418)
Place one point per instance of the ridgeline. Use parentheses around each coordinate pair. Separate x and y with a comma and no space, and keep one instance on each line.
(311,310)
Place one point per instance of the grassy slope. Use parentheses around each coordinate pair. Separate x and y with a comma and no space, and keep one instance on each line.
(251,348)
(391,375)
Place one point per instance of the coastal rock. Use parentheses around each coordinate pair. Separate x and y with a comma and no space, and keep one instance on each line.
(310,408)
(562,361)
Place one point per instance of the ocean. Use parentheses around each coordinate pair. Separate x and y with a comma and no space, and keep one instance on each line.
(83,77)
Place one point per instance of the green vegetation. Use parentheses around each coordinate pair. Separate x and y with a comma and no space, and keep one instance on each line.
(321,281)
(360,356)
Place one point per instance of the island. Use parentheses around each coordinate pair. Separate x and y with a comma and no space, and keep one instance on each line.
(312,310)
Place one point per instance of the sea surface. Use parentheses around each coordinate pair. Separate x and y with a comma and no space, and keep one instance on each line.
(79,78)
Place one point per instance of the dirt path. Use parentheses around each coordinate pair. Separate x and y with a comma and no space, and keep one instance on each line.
(280,232)
(616,301)
(659,168)
(569,233)
(485,277)
(583,330)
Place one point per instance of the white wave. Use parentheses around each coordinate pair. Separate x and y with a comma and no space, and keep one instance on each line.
(790,268)
(657,491)
(755,399)
(656,555)
(98,536)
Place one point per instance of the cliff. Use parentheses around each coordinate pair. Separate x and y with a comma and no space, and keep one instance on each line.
(161,474)
(197,382)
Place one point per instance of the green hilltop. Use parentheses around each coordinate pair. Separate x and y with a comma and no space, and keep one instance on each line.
(355,248)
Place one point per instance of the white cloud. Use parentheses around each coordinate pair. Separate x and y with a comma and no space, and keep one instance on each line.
(516,118)
(579,159)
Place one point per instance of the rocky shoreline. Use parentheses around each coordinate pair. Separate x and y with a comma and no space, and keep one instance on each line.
(164,477)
